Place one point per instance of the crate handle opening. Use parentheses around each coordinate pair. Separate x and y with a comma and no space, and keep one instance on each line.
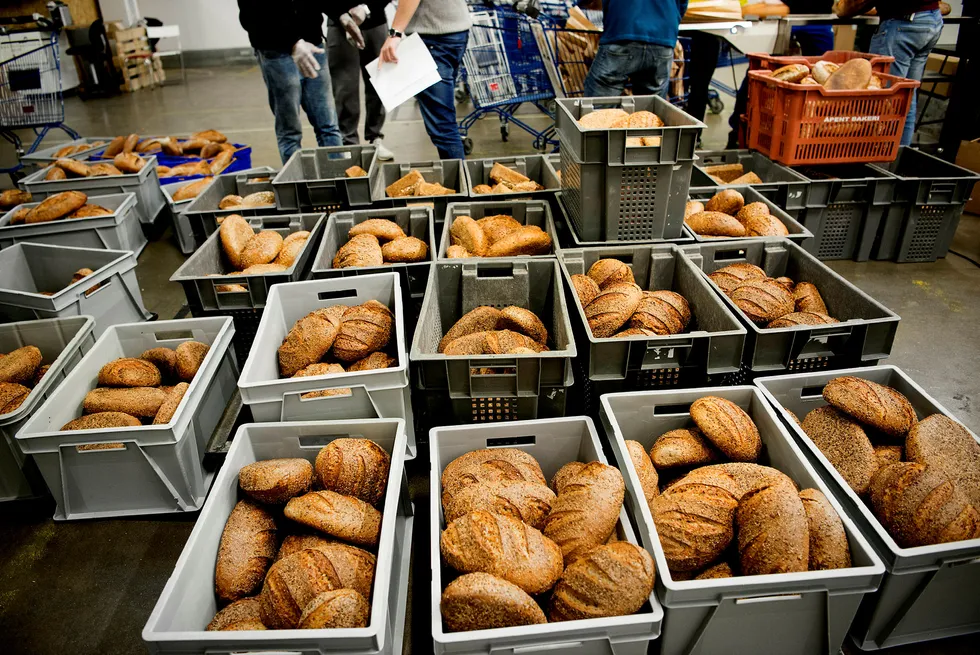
(495,271)
(317,441)
(275,221)
(506,442)
(725,255)
(811,392)
(100,447)
(494,370)
(173,335)
(91,291)
(217,290)
(679,408)
(335,295)
(342,392)
(768,599)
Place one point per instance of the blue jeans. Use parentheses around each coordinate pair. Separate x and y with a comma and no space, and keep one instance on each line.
(288,91)
(645,64)
(910,43)
(438,102)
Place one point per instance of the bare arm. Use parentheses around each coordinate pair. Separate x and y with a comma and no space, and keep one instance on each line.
(848,8)
(403,16)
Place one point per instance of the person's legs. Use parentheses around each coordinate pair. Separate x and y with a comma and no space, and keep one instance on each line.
(652,79)
(282,79)
(438,102)
(910,44)
(814,40)
(374,119)
(611,68)
(344,62)
(317,101)
(705,49)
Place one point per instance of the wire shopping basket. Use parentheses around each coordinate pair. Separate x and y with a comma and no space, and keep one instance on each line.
(30,81)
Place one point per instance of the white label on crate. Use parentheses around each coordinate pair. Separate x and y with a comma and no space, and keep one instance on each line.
(852,119)
(796,194)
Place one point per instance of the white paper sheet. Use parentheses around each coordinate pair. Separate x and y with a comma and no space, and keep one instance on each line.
(415,72)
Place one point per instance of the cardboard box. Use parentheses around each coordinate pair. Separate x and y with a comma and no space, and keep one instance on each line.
(943,65)
(845,37)
(968,156)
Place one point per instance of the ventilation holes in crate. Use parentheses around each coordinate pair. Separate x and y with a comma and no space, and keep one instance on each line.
(637,197)
(810,364)
(329,209)
(571,184)
(922,246)
(838,234)
(494,409)
(656,378)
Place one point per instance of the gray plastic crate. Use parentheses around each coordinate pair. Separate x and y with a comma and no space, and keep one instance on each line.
(780,184)
(493,387)
(314,180)
(414,221)
(45,156)
(929,200)
(62,342)
(207,268)
(533,166)
(797,232)
(525,212)
(845,204)
(553,443)
(678,136)
(27,269)
(187,603)
(567,237)
(119,231)
(712,345)
(864,335)
(625,202)
(151,469)
(379,393)
(803,613)
(447,172)
(203,211)
(928,592)
(150,200)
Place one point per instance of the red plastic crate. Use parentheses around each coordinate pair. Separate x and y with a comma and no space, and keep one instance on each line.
(763,61)
(797,124)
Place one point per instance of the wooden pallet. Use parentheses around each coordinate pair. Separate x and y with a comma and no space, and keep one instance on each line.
(131,50)
(137,75)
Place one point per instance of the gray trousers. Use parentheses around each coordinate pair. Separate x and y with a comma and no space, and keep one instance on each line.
(346,68)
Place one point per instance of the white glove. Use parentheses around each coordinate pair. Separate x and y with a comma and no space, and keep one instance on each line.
(359,13)
(303,52)
(354,36)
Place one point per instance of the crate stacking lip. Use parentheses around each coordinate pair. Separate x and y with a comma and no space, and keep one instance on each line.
(797,124)
(798,233)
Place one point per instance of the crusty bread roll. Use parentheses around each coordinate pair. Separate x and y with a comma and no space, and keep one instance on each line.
(716,224)
(586,289)
(828,541)
(610,310)
(528,502)
(586,510)
(291,585)
(12,396)
(364,329)
(480,601)
(728,427)
(20,365)
(728,201)
(275,481)
(941,442)
(479,319)
(612,580)
(339,608)
(512,463)
(292,245)
(235,233)
(682,447)
(354,467)
(607,272)
(465,232)
(728,278)
(845,445)
(248,545)
(524,321)
(261,249)
(344,517)
(807,298)
(693,207)
(129,372)
(189,356)
(309,340)
(871,403)
(645,470)
(354,566)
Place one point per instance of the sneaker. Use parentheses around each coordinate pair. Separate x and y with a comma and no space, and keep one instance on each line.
(383,153)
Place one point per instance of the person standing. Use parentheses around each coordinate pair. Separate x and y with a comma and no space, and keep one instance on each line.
(288,40)
(908,31)
(637,44)
(354,39)
(444,28)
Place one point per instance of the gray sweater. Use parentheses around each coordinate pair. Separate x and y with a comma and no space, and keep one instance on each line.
(440,17)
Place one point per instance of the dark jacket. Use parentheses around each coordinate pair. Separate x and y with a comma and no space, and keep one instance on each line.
(644,21)
(896,8)
(376,18)
(278,24)
(809,6)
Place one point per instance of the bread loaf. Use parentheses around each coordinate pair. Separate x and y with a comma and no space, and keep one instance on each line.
(142,402)
(873,404)
(683,447)
(764,225)
(354,566)
(262,248)
(189,357)
(601,119)
(362,250)
(292,246)
(728,427)
(259,199)
(90,211)
(753,209)
(235,233)
(381,228)
(564,474)
(716,572)
(610,310)
(102,421)
(339,608)
(608,272)
(19,365)
(693,207)
(470,344)
(852,75)
(886,455)
(728,278)
(230,201)
(645,470)
(505,342)
(524,321)
(465,232)
(73,166)
(248,545)
(807,298)
(941,442)
(56,206)
(354,467)
(291,585)
(528,502)
(498,226)
(773,531)
(115,147)
(344,517)
(828,541)
(480,319)
(309,339)
(586,510)
(480,601)
(404,186)
(130,162)
(728,202)
(762,300)
(793,73)
(518,464)
(715,223)
(405,249)
(663,312)
(586,289)
(795,319)
(364,329)
(845,445)
(529,240)
(169,407)
(12,396)
(129,372)
(612,580)
(504,547)
(275,481)
(244,614)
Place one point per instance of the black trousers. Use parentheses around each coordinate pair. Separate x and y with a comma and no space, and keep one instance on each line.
(705,49)
(346,69)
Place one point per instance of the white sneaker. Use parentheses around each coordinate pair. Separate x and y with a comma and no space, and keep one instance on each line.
(383,153)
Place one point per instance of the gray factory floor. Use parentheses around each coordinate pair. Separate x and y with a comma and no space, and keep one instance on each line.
(88,586)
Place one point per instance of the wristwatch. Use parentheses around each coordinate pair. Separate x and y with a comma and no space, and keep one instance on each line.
(395,33)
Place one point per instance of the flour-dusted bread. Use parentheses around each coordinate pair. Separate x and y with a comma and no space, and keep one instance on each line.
(480,601)
(247,548)
(612,580)
(586,510)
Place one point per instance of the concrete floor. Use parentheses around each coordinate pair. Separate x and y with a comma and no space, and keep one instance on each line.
(88,587)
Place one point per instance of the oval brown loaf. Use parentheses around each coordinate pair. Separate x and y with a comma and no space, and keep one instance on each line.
(364,329)
(142,402)
(339,608)
(645,470)
(12,396)
(828,541)
(165,359)
(586,289)
(505,342)
(611,309)
(362,250)
(764,225)
(729,277)
(235,233)
(807,298)
(373,362)
(795,319)
(607,272)
(662,312)
(612,580)
(471,344)
(381,228)
(344,517)
(189,357)
(682,447)
(529,502)
(247,548)
(405,249)
(716,572)
(129,372)
(871,403)
(715,223)
(504,547)
(586,510)
(491,472)
(693,207)
(479,319)
(291,585)
(169,407)
(20,365)
(309,340)
(762,300)
(845,445)
(275,481)
(354,467)
(529,240)
(564,474)
(354,566)
(852,75)
(465,232)
(56,206)
(244,614)
(773,531)
(102,421)
(787,283)
(517,464)
(498,226)
(728,427)
(480,601)
(728,202)
(524,321)
(941,442)
(263,248)
(751,210)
